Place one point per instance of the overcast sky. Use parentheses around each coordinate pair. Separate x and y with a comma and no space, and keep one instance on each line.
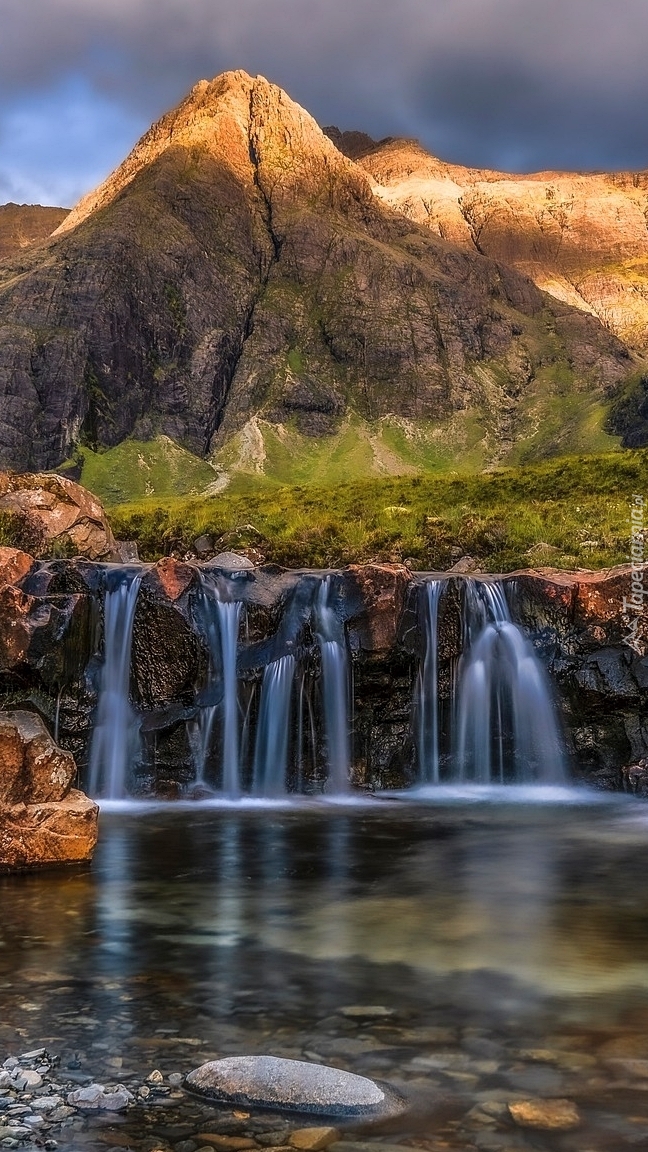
(509,84)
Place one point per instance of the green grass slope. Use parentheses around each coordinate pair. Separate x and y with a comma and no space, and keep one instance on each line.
(568,513)
(136,469)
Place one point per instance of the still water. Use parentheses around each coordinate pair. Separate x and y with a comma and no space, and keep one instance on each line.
(492,948)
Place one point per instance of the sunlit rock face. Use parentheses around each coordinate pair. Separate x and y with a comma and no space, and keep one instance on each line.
(55,513)
(580,237)
(43,819)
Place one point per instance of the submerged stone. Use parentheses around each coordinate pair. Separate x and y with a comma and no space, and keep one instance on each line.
(98,1097)
(550,1115)
(290,1085)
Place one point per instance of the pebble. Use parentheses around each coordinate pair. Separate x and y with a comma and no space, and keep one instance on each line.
(226,1143)
(31,1057)
(313,1139)
(97,1096)
(366,1011)
(175,1079)
(155,1077)
(550,1115)
(46,1103)
(27,1078)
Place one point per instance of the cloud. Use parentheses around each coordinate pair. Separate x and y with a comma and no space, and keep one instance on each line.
(501,83)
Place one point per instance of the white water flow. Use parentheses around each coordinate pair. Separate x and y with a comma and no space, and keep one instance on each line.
(221,619)
(506,728)
(428,689)
(336,690)
(115,741)
(273,728)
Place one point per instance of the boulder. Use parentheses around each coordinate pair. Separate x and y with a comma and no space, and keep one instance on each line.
(288,1085)
(382,593)
(43,820)
(58,514)
(170,578)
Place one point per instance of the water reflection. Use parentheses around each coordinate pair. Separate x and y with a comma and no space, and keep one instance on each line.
(201,932)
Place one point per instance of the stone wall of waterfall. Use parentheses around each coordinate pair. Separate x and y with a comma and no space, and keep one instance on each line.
(186,680)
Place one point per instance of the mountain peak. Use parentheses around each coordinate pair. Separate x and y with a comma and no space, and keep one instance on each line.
(244,121)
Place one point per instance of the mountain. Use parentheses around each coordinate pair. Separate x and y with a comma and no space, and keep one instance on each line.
(242,287)
(22,225)
(581,237)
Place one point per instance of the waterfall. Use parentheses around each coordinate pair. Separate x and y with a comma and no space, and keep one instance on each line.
(116,735)
(505,728)
(335,689)
(221,622)
(427,695)
(273,728)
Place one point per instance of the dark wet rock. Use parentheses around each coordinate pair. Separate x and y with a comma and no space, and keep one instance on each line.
(381,589)
(169,579)
(166,652)
(203,545)
(635,777)
(290,1085)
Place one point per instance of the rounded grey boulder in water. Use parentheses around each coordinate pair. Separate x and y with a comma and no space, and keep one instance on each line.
(231,562)
(290,1085)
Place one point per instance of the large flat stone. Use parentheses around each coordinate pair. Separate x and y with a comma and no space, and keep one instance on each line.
(288,1085)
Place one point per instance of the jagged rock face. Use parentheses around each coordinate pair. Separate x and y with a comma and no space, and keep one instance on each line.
(237,264)
(22,225)
(583,238)
(43,820)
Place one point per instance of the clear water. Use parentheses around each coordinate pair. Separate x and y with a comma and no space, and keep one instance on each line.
(220,621)
(116,735)
(506,724)
(336,689)
(427,703)
(503,934)
(273,728)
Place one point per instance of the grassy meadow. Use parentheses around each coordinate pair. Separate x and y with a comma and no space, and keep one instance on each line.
(571,512)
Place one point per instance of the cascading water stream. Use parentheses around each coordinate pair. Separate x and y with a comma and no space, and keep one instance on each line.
(335,689)
(428,689)
(116,735)
(273,728)
(221,622)
(506,729)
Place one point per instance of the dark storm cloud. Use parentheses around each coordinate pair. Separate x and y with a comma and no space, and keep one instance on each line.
(501,83)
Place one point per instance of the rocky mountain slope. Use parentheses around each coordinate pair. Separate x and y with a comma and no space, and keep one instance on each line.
(22,225)
(242,287)
(581,237)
